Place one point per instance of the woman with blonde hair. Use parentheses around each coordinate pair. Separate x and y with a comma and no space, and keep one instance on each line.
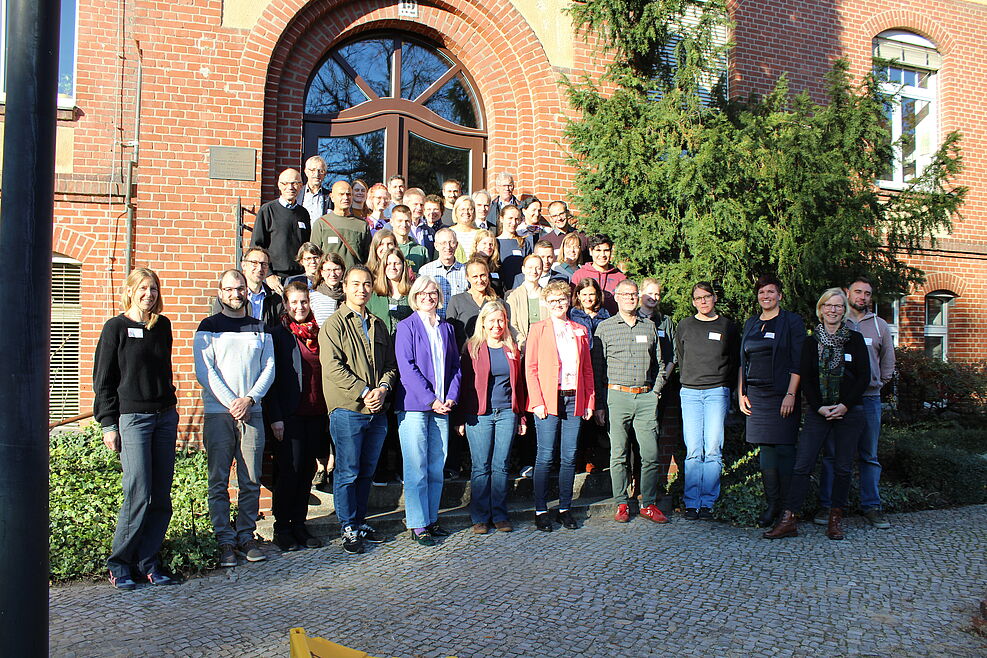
(492,398)
(526,302)
(569,257)
(389,301)
(464,218)
(135,405)
(382,241)
(486,247)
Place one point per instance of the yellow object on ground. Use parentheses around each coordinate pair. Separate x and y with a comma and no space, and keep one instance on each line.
(303,646)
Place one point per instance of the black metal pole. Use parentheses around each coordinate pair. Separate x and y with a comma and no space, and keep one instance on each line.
(25,251)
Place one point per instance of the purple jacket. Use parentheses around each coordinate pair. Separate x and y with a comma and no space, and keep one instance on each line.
(416,385)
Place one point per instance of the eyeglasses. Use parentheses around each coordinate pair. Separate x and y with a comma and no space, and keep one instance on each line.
(704,298)
(230,291)
(310,259)
(627,295)
(558,301)
(833,307)
(429,293)
(256,263)
(315,171)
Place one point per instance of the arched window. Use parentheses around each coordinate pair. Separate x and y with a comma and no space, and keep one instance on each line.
(389,104)
(910,81)
(937,307)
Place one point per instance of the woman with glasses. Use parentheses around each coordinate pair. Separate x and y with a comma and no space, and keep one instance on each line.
(707,345)
(560,394)
(427,390)
(327,293)
(308,257)
(835,374)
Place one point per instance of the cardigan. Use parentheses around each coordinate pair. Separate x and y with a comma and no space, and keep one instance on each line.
(416,384)
(856,372)
(517,302)
(542,371)
(786,350)
(474,395)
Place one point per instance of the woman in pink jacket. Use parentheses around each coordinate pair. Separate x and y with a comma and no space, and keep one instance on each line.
(560,394)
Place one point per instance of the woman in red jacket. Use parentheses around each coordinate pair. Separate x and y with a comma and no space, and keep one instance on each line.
(560,393)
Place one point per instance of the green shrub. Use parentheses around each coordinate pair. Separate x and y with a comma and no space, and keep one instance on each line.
(85,495)
(925,387)
(939,458)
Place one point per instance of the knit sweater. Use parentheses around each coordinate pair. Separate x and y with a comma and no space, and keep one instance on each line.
(132,369)
(708,352)
(282,231)
(348,231)
(234,358)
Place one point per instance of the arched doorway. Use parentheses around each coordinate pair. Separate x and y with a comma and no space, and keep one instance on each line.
(389,103)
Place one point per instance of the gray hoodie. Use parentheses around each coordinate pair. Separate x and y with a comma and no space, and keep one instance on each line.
(880,347)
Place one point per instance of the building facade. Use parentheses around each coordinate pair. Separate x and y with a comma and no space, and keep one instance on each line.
(174,114)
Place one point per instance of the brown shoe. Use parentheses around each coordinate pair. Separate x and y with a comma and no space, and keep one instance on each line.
(787,526)
(480,528)
(834,530)
(504,526)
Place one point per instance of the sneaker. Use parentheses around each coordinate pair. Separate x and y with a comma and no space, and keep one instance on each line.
(227,558)
(251,551)
(305,538)
(437,530)
(369,535)
(622,515)
(124,583)
(691,514)
(822,516)
(877,518)
(352,543)
(285,541)
(652,513)
(423,538)
(527,471)
(706,513)
(159,578)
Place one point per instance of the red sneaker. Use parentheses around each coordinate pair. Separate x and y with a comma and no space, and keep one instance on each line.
(622,515)
(653,513)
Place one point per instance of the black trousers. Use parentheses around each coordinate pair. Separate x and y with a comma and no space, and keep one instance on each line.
(294,461)
(845,435)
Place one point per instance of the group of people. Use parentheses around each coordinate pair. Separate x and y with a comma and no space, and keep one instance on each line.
(358,314)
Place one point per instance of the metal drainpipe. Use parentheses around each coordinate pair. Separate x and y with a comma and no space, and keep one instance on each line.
(134,153)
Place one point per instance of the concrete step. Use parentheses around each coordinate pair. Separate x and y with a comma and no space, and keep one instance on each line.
(591,501)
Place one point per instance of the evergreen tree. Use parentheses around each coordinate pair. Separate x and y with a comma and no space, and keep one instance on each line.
(692,186)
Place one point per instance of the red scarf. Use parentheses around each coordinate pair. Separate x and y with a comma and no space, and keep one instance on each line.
(307,332)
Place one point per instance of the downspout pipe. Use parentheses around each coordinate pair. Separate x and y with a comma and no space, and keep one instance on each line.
(132,164)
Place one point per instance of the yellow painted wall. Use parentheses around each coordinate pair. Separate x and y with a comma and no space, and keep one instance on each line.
(243,14)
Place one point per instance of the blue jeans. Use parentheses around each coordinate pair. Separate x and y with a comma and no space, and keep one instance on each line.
(424,439)
(703,414)
(870,468)
(358,439)
(490,437)
(147,456)
(550,430)
(225,440)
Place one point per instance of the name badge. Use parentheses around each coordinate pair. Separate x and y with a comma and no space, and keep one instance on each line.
(332,239)
(510,355)
(641,339)
(661,333)
(769,334)
(714,336)
(135,332)
(516,252)
(494,275)
(302,225)
(393,307)
(847,356)
(580,332)
(868,341)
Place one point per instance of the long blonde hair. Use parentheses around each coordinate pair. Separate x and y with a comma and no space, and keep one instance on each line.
(134,279)
(382,285)
(479,337)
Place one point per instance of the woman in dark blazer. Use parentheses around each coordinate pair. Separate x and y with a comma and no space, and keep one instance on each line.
(770,361)
(428,388)
(295,409)
(493,401)
(835,374)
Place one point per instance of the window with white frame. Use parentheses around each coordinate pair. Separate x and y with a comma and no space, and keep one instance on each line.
(66,327)
(910,82)
(66,53)
(889,311)
(937,308)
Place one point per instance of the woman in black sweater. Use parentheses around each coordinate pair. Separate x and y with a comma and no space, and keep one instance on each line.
(835,373)
(135,405)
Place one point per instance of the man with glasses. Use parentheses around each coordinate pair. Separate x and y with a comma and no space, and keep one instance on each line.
(450,273)
(313,197)
(629,374)
(281,227)
(262,302)
(339,232)
(234,365)
(504,184)
(559,217)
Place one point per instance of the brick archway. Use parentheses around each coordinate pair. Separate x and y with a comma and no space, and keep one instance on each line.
(518,88)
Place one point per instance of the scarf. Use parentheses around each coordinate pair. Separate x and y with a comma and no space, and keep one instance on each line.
(832,347)
(307,332)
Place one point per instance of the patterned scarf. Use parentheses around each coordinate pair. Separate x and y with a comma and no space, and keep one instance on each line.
(832,347)
(307,332)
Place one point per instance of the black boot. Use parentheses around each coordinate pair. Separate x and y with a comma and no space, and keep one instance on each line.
(772,493)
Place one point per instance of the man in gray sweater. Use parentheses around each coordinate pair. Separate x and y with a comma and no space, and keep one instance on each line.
(234,364)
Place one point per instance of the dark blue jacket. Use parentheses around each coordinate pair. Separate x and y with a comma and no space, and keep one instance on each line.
(786,352)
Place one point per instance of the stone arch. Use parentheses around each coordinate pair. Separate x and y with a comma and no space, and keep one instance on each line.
(943,281)
(912,21)
(72,243)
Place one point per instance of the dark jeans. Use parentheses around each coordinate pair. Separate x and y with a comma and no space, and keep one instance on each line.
(557,433)
(294,458)
(358,439)
(844,435)
(490,438)
(147,456)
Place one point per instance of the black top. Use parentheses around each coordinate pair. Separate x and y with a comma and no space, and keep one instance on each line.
(785,337)
(282,231)
(461,312)
(708,352)
(132,369)
(856,372)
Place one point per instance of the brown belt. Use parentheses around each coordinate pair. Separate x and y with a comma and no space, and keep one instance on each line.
(568,393)
(636,390)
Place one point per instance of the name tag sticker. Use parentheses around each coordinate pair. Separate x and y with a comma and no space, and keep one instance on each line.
(135,332)
(847,356)
(516,252)
(641,339)
(393,307)
(578,332)
(868,341)
(494,275)
(769,334)
(332,239)
(714,335)
(661,333)
(510,355)
(302,225)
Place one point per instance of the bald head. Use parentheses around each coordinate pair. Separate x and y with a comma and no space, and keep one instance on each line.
(342,197)
(290,184)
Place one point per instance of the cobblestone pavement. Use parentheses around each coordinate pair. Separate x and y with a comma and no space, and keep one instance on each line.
(688,588)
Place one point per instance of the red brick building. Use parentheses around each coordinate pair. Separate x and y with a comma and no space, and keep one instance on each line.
(174,112)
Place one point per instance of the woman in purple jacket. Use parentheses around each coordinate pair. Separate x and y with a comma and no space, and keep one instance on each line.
(428,362)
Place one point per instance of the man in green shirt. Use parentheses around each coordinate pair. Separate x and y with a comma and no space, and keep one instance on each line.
(413,252)
(338,232)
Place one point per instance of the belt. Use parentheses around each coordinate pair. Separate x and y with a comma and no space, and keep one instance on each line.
(629,389)
(568,393)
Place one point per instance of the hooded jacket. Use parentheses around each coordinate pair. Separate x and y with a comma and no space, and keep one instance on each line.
(880,348)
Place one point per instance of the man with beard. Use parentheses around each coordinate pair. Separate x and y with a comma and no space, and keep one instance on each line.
(234,364)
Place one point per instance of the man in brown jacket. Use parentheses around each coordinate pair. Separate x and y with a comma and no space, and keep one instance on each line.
(358,374)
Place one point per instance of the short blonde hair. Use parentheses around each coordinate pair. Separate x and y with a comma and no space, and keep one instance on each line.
(828,295)
(420,284)
(557,287)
